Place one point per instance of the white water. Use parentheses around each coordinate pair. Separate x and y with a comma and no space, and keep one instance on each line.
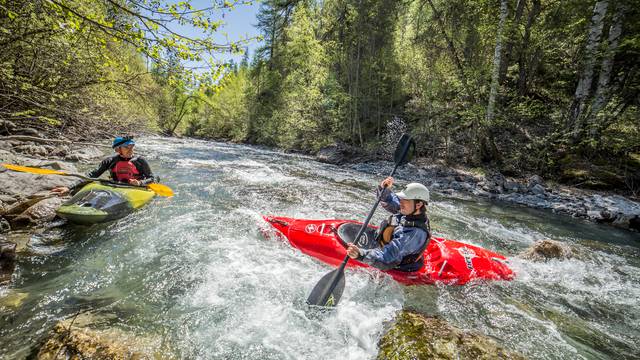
(196,272)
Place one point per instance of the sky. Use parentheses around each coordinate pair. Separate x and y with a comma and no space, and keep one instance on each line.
(238,23)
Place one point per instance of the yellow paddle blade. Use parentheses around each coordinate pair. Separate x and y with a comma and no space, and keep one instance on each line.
(33,170)
(162,190)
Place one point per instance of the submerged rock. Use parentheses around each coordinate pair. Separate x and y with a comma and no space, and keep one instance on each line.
(75,339)
(545,250)
(12,300)
(7,261)
(414,336)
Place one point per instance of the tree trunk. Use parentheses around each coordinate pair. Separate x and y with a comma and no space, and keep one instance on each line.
(497,59)
(603,90)
(452,49)
(586,77)
(506,58)
(524,52)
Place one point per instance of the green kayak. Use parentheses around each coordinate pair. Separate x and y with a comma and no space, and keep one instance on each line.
(97,202)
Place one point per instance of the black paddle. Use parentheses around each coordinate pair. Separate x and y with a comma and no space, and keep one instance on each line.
(329,289)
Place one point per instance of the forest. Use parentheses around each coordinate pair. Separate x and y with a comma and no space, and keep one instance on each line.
(520,86)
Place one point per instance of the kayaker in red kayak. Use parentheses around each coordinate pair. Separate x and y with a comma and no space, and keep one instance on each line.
(404,236)
(123,166)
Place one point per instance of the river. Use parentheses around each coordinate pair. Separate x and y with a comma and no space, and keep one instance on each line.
(196,272)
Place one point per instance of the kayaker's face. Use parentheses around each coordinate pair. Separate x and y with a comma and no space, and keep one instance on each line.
(406,206)
(126,151)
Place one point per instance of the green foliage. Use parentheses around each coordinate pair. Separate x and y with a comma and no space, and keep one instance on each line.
(223,115)
(339,70)
(69,62)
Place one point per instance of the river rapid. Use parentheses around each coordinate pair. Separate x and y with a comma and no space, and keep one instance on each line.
(196,272)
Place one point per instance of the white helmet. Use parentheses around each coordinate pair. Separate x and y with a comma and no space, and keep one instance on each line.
(415,191)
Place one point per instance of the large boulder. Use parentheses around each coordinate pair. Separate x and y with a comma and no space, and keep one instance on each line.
(20,184)
(545,250)
(416,337)
(341,153)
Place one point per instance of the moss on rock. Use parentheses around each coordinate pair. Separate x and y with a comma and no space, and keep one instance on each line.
(417,337)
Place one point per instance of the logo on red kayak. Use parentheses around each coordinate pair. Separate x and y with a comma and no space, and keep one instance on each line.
(311,228)
(468,255)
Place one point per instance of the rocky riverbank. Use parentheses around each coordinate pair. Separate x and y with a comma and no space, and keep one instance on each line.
(26,200)
(534,192)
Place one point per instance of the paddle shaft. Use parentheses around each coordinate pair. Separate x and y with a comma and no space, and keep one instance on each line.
(321,294)
(340,269)
(103,180)
(159,189)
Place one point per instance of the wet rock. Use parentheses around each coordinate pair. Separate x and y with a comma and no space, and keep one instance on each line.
(414,336)
(4,225)
(42,211)
(7,261)
(595,215)
(331,154)
(534,180)
(22,205)
(545,250)
(629,221)
(560,208)
(497,178)
(21,238)
(455,185)
(511,186)
(480,192)
(84,154)
(466,187)
(12,300)
(537,189)
(72,339)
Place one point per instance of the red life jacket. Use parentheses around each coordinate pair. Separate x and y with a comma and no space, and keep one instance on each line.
(125,170)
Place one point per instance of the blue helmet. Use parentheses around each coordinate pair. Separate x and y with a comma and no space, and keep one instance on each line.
(122,141)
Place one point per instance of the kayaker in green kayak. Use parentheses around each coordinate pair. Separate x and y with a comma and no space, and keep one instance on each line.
(404,236)
(123,167)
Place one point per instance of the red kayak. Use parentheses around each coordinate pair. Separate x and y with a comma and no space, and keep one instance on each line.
(446,261)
